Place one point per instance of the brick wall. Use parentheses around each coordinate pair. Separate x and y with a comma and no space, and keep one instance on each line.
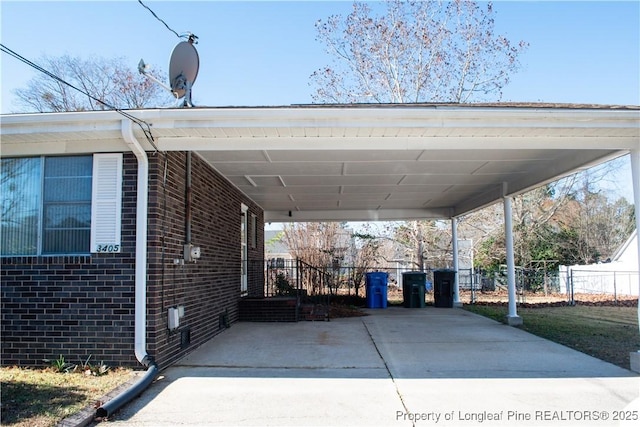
(75,306)
(84,305)
(209,290)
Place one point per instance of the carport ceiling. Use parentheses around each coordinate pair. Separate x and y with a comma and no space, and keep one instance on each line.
(377,162)
(386,183)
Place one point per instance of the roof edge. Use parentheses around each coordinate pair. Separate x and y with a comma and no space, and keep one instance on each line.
(442,105)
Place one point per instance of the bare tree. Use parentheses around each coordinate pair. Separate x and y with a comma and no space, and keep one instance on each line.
(108,80)
(418,51)
(427,244)
(323,245)
(570,221)
(437,51)
(595,226)
(485,228)
(372,252)
(315,243)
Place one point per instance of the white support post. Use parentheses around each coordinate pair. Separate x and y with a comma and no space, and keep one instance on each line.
(512,318)
(456,283)
(635,175)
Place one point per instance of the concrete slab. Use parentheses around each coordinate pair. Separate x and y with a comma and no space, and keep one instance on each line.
(394,367)
(453,343)
(312,345)
(198,398)
(522,402)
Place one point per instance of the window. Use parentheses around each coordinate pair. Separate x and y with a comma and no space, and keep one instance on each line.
(67,204)
(47,204)
(20,185)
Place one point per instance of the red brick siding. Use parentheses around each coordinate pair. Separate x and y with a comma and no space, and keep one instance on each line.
(81,306)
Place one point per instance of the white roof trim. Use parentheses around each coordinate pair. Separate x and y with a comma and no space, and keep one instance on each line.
(357,162)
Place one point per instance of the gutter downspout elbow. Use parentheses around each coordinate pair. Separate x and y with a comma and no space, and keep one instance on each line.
(140,279)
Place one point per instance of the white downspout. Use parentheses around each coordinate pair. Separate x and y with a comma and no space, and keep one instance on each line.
(108,408)
(141,242)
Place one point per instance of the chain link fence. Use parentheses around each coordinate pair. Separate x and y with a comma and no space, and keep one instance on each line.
(548,286)
(533,285)
(577,282)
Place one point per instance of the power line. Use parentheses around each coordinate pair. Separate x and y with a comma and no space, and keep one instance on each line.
(159,19)
(144,126)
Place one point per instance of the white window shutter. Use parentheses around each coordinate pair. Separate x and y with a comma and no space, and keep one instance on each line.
(106,202)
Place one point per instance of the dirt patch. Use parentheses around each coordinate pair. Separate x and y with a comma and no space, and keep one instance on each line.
(347,306)
(551,300)
(338,311)
(351,305)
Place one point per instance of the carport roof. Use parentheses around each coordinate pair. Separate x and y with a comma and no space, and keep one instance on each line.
(358,162)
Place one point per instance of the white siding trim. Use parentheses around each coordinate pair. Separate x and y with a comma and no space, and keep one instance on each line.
(106,203)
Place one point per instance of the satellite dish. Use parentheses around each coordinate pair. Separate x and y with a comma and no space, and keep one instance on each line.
(183,69)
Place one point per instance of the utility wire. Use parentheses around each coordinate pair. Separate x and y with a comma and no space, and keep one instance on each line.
(159,19)
(144,126)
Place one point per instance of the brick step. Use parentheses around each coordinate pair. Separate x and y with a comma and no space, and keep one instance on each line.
(276,309)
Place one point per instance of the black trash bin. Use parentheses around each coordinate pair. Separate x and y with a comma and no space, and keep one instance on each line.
(413,286)
(376,289)
(443,283)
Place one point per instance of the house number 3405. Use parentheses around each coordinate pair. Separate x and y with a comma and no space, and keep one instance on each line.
(108,248)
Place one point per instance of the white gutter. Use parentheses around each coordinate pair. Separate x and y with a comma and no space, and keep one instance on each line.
(141,242)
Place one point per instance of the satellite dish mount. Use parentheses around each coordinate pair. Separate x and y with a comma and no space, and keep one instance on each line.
(183,69)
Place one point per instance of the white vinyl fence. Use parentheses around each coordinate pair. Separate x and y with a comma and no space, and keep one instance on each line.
(576,280)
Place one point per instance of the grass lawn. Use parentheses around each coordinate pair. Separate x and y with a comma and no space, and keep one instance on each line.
(609,333)
(44,397)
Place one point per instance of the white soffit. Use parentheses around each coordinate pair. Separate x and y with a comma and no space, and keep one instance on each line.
(367,162)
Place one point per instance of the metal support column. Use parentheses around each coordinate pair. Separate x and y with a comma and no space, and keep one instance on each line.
(635,175)
(512,318)
(456,283)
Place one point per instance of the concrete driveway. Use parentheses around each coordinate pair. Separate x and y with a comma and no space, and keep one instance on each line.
(396,366)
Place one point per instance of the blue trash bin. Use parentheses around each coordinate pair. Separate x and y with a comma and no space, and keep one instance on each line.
(376,289)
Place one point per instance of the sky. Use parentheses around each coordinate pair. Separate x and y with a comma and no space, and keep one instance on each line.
(262,53)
